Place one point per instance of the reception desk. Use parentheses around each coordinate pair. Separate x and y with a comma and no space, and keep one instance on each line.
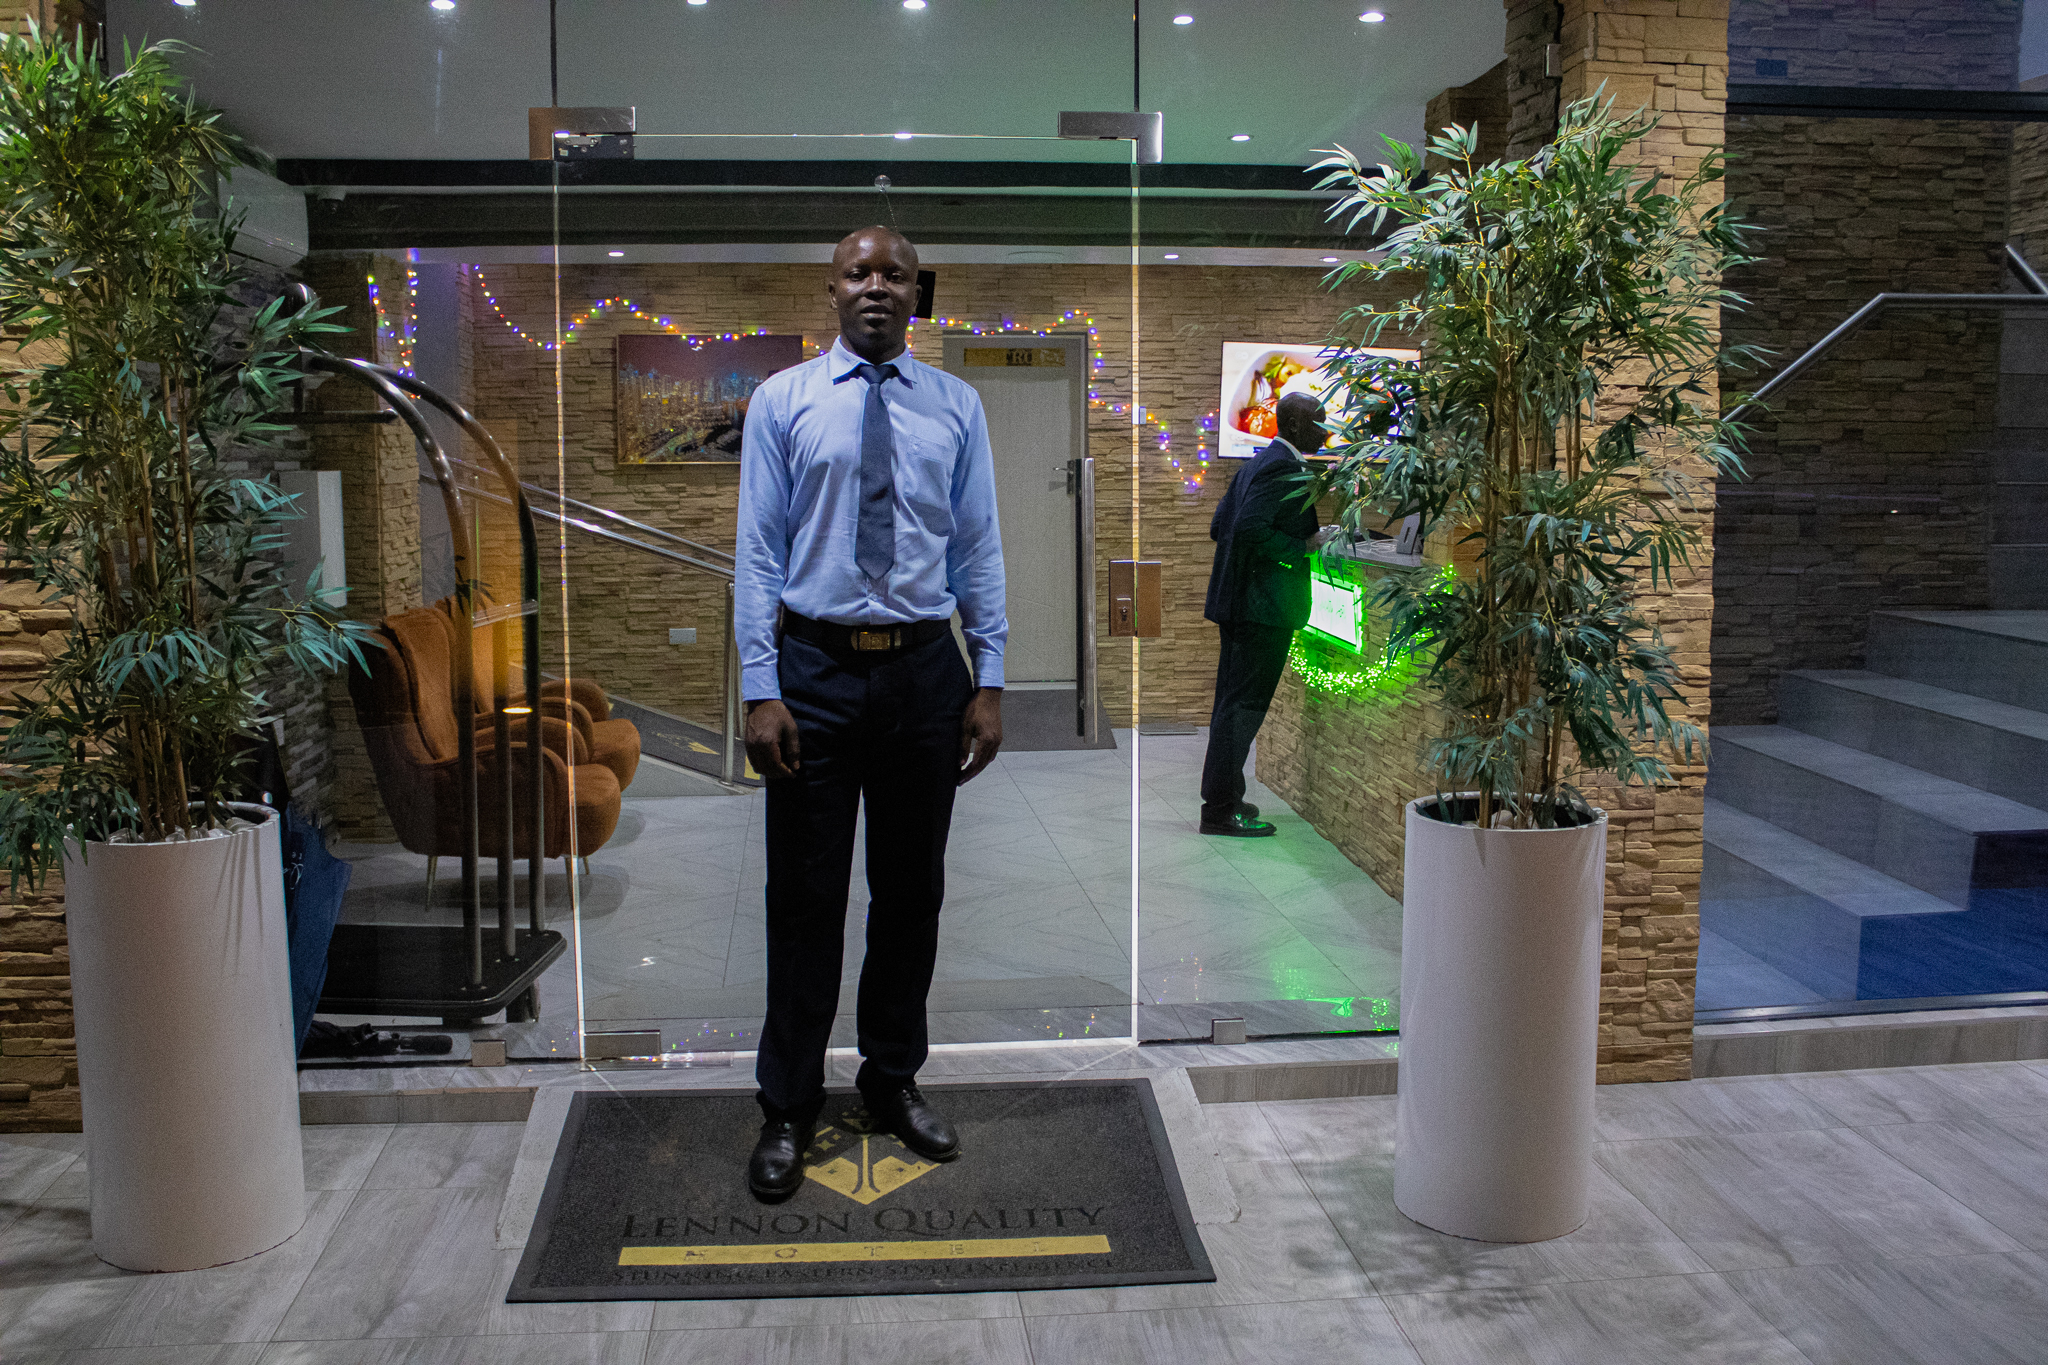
(1343,742)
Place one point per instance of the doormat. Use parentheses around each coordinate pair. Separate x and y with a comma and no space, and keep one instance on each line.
(1041,720)
(1057,1186)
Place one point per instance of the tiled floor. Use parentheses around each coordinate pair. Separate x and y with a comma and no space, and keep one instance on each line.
(1035,941)
(1846,1218)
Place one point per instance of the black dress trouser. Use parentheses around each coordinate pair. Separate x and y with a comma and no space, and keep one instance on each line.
(883,729)
(1247,670)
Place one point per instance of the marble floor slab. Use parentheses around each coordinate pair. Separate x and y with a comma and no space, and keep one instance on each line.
(1824,1219)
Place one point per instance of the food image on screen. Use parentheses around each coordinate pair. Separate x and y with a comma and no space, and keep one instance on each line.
(1256,376)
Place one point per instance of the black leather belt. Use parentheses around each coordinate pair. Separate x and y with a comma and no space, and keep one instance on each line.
(863,639)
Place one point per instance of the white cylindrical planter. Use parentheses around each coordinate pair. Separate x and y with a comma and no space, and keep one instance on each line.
(1500,1009)
(182,990)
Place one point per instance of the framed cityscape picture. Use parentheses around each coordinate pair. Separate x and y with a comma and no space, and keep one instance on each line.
(683,401)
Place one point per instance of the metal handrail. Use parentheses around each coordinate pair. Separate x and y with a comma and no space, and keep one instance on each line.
(2035,297)
(729,711)
(565,500)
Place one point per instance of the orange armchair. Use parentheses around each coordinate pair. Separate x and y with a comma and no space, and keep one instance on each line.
(405,705)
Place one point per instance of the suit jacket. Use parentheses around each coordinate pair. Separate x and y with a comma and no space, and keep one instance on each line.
(1261,530)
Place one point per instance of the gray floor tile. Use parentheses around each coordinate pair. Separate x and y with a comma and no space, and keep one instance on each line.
(597,1348)
(236,1353)
(402,1263)
(1282,1248)
(847,1310)
(1349,1330)
(1921,1094)
(426,1156)
(1332,1132)
(54,1293)
(1995,1164)
(1620,1238)
(982,1341)
(243,1301)
(1749,1200)
(1960,1310)
(340,1155)
(506,1319)
(1680,1319)
(1243,1133)
(1739,1104)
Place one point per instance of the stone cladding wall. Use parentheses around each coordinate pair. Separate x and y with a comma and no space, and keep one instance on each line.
(1350,764)
(623,602)
(1955,45)
(1868,484)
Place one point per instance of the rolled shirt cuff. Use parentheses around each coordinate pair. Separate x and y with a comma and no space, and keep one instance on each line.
(760,682)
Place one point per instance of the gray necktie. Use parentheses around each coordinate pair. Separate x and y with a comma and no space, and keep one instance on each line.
(874,547)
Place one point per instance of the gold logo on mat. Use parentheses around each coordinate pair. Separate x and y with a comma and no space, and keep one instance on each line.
(858,1162)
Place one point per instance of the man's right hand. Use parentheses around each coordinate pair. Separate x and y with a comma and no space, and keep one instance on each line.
(771,739)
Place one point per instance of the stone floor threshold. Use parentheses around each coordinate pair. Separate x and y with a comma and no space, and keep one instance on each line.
(1335,1068)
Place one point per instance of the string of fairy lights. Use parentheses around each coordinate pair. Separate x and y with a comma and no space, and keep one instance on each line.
(404,333)
(1390,672)
(1193,468)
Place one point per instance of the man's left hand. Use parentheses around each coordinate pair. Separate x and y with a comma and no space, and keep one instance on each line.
(981,732)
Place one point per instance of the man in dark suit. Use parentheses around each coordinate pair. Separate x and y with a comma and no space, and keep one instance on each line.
(1264,529)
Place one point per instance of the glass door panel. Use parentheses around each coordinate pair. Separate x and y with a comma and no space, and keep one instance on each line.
(643,331)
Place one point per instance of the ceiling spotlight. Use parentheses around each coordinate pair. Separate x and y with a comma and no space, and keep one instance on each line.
(184,4)
(913,4)
(1240,137)
(698,2)
(1172,255)
(621,253)
(1372,16)
(1183,18)
(442,5)
(905,136)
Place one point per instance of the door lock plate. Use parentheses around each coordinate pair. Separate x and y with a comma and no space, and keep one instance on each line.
(1134,598)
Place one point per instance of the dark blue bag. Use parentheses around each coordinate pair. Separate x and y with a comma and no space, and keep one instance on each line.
(314,882)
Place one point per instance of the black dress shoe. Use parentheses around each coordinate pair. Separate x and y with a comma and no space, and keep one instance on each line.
(1248,810)
(776,1170)
(1238,825)
(921,1128)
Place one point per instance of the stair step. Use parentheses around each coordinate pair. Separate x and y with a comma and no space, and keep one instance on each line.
(1968,739)
(1835,926)
(1939,835)
(1999,655)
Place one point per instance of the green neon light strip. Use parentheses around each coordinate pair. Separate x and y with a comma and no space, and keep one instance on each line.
(1384,674)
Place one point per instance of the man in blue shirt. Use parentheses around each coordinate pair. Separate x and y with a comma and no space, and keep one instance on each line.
(867,517)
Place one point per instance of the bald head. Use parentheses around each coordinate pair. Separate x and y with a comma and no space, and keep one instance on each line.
(873,288)
(877,235)
(1300,419)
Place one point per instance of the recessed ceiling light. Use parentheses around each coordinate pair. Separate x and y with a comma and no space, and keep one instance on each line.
(621,253)
(699,2)
(905,136)
(1172,255)
(443,5)
(1329,260)
(184,4)
(1372,16)
(1240,137)
(1183,18)
(913,4)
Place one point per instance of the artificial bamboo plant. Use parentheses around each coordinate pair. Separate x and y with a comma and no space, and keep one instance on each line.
(137,373)
(1559,424)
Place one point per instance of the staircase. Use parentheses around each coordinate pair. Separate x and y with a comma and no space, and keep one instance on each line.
(1889,836)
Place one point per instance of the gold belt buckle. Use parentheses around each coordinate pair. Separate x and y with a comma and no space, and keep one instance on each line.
(868,640)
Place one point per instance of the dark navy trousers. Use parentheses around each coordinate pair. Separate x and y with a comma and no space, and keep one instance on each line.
(883,730)
(1248,668)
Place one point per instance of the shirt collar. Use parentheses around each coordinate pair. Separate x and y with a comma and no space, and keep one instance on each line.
(1283,441)
(841,361)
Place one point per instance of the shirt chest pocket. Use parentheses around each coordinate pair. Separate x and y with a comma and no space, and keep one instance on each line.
(926,471)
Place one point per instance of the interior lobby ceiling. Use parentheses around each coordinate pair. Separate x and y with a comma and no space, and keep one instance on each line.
(402,81)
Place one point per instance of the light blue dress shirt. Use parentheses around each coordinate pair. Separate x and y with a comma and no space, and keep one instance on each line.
(800,512)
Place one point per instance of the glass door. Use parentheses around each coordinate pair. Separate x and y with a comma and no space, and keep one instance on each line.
(693,230)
